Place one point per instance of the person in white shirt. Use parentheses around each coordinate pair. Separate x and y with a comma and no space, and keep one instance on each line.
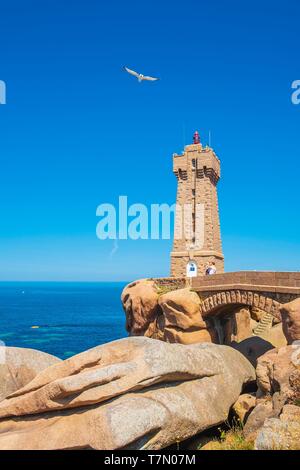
(211,269)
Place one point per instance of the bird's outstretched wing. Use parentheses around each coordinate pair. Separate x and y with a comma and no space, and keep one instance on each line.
(132,72)
(150,79)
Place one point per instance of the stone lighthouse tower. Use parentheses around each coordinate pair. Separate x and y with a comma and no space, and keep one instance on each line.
(197,238)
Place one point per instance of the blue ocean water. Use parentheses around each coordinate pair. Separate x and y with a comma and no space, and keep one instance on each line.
(71,317)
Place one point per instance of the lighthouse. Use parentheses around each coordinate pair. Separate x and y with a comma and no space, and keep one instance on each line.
(197,238)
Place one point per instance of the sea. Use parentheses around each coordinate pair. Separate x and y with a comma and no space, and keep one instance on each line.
(61,318)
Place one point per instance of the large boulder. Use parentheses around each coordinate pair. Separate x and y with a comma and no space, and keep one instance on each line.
(18,366)
(181,320)
(257,418)
(243,406)
(171,335)
(281,433)
(290,413)
(290,315)
(181,309)
(140,303)
(135,393)
(277,372)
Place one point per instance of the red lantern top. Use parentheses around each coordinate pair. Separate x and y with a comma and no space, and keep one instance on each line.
(196,138)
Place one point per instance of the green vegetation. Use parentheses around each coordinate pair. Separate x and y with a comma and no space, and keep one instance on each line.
(165,288)
(229,439)
(161,290)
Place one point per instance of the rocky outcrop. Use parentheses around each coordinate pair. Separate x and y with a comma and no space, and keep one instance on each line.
(84,402)
(277,371)
(278,380)
(181,309)
(18,366)
(140,303)
(174,316)
(290,315)
(181,320)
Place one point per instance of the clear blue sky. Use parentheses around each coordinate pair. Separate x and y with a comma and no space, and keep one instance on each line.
(77,131)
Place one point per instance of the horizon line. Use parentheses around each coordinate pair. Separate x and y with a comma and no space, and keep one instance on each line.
(57,281)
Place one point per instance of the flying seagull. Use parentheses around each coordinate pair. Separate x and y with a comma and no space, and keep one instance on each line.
(140,76)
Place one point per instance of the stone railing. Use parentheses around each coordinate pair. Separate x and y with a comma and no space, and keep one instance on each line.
(273,281)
